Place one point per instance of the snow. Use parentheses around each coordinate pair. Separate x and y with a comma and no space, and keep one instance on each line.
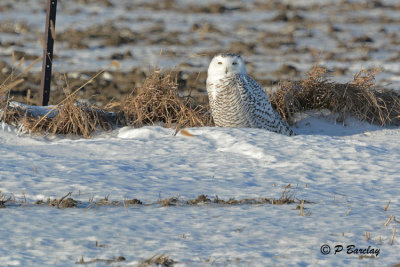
(348,171)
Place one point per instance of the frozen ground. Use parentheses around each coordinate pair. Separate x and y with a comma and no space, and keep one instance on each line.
(349,173)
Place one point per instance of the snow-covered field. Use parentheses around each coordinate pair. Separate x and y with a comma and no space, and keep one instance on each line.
(346,174)
(349,173)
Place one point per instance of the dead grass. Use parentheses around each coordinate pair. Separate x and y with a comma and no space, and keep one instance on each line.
(105,261)
(387,206)
(67,201)
(68,117)
(245,201)
(106,202)
(286,198)
(359,98)
(14,78)
(3,200)
(158,260)
(172,201)
(61,203)
(158,102)
(132,202)
(202,199)
(73,119)
(11,115)
(8,115)
(64,202)
(393,235)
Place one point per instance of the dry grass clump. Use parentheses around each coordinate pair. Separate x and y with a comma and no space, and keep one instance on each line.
(133,202)
(105,261)
(10,115)
(286,198)
(172,201)
(106,202)
(158,101)
(69,117)
(3,200)
(158,260)
(359,98)
(63,202)
(202,199)
(72,119)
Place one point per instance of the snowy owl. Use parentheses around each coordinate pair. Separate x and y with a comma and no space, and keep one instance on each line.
(237,100)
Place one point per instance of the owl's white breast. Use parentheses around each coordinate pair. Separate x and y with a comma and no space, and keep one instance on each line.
(212,86)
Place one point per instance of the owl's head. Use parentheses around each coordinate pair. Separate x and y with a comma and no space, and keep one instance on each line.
(225,65)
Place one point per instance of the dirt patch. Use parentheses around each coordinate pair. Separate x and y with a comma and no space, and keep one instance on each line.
(108,87)
(107,34)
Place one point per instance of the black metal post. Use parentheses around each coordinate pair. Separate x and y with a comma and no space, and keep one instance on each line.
(48,51)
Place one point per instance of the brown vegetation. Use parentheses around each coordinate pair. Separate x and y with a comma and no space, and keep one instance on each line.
(158,260)
(358,98)
(157,101)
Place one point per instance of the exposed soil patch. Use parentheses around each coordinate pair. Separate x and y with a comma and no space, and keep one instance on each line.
(280,41)
(110,86)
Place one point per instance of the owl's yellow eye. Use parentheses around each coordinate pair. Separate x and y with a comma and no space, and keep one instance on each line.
(234,63)
(219,62)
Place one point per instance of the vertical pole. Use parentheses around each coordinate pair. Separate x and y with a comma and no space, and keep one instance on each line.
(48,51)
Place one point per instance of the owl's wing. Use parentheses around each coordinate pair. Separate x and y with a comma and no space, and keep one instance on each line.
(258,106)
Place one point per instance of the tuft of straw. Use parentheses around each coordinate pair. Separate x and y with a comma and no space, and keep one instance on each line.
(387,206)
(393,235)
(158,260)
(158,101)
(71,119)
(359,98)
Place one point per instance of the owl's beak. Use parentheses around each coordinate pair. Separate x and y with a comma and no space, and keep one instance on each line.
(226,70)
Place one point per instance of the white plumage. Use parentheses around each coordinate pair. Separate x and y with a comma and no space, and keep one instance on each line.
(237,100)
